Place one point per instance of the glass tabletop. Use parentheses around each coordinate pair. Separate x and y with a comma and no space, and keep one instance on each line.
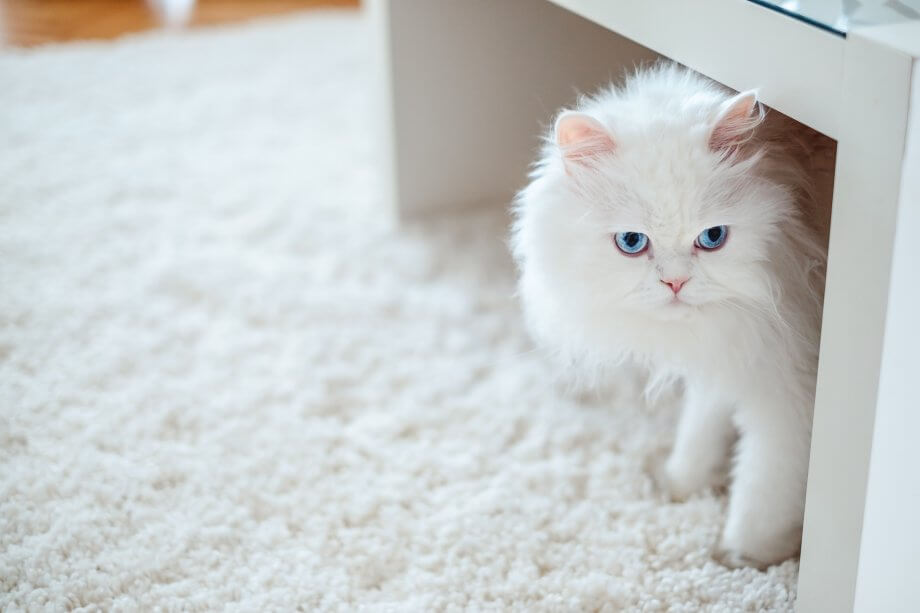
(838,15)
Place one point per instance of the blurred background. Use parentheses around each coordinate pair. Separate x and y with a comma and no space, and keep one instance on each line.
(26,23)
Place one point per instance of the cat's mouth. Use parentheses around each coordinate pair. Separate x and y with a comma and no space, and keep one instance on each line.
(676,308)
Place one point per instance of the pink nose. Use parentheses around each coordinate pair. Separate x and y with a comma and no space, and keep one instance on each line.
(674,284)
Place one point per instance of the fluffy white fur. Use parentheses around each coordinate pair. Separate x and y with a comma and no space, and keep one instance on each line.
(670,154)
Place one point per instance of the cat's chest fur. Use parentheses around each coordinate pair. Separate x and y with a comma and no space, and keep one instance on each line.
(720,349)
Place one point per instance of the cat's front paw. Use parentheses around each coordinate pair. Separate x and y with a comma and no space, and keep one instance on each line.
(730,558)
(753,550)
(678,483)
(672,478)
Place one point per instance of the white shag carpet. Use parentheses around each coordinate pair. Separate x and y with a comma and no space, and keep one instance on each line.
(228,383)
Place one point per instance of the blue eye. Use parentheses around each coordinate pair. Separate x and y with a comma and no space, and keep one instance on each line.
(712,238)
(631,243)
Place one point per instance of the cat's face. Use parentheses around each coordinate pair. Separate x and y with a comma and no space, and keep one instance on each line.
(661,228)
(670,240)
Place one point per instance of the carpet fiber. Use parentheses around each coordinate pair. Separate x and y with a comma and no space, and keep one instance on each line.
(227,382)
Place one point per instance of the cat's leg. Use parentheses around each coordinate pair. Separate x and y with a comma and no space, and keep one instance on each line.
(764,523)
(701,448)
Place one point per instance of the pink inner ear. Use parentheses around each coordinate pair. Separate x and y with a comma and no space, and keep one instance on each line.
(736,121)
(582,138)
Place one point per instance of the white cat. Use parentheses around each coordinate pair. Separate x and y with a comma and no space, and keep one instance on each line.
(663,226)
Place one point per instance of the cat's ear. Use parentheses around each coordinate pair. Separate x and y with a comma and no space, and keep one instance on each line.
(581,138)
(736,121)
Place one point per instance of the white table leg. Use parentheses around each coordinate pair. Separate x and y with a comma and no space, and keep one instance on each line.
(858,301)
(469,85)
(889,563)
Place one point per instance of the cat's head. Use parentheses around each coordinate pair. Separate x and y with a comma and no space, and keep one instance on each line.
(654,201)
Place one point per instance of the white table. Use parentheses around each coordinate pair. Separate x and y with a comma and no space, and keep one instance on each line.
(469,83)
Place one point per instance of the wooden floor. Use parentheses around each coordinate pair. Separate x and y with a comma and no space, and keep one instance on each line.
(35,22)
